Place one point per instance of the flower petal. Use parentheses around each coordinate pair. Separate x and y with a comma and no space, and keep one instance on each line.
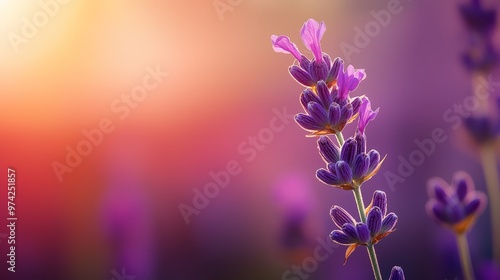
(327,149)
(341,217)
(366,114)
(341,238)
(363,233)
(301,76)
(307,122)
(397,274)
(349,151)
(374,221)
(389,222)
(284,45)
(311,34)
(343,171)
(327,177)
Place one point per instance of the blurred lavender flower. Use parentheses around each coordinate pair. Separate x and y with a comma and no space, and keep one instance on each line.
(481,55)
(351,165)
(378,225)
(485,128)
(309,72)
(397,274)
(456,206)
(327,112)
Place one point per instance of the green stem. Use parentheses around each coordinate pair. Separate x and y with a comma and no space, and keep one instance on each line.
(373,260)
(463,249)
(491,175)
(371,249)
(340,138)
(359,203)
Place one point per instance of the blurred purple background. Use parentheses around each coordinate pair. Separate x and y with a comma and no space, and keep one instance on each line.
(119,208)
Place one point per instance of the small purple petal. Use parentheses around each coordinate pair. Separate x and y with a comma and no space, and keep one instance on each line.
(361,142)
(436,187)
(349,151)
(366,114)
(328,150)
(343,171)
(307,122)
(334,114)
(284,45)
(305,63)
(374,221)
(363,232)
(346,113)
(360,166)
(301,76)
(350,231)
(327,177)
(473,206)
(318,113)
(341,216)
(463,183)
(374,159)
(389,222)
(380,200)
(332,168)
(349,80)
(334,70)
(308,96)
(311,34)
(340,237)
(439,212)
(397,273)
(324,94)
(356,103)
(319,70)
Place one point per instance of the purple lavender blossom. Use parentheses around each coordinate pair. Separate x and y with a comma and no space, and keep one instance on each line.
(366,114)
(349,80)
(326,112)
(349,166)
(456,206)
(481,55)
(310,72)
(486,127)
(397,274)
(378,225)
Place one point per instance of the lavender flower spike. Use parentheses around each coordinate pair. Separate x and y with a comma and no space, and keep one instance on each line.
(311,34)
(284,45)
(349,80)
(456,206)
(366,114)
(397,274)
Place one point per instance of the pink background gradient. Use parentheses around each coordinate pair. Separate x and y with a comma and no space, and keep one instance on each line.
(119,208)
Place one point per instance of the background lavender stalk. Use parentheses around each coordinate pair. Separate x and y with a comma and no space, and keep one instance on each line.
(463,250)
(480,59)
(489,163)
(456,207)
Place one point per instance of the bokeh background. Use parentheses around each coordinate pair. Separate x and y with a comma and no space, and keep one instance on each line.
(116,214)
